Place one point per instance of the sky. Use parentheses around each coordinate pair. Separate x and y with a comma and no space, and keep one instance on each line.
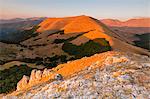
(116,9)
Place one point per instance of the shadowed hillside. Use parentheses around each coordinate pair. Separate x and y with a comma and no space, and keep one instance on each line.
(13,30)
(144,41)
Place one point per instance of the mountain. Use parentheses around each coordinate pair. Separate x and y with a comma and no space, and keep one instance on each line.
(106,75)
(16,20)
(84,24)
(141,22)
(131,26)
(45,46)
(59,33)
(67,37)
(136,30)
(2,21)
(10,29)
(56,41)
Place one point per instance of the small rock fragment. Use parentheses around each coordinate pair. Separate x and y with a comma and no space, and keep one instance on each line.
(58,77)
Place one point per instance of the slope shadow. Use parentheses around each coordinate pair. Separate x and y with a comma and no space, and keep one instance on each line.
(144,41)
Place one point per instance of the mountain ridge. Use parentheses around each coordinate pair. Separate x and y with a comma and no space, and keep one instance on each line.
(61,29)
(95,27)
(139,22)
(115,73)
(15,20)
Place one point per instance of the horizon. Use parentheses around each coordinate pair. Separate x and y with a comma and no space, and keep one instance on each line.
(122,20)
(113,9)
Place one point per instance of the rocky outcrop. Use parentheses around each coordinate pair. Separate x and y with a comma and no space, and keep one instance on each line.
(36,77)
(46,72)
(22,83)
(108,75)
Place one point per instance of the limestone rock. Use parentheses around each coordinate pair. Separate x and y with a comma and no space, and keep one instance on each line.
(46,72)
(32,76)
(38,75)
(22,83)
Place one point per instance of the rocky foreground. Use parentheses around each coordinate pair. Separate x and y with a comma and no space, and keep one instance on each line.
(110,75)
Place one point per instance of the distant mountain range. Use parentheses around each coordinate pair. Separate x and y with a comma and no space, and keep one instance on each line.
(137,30)
(11,29)
(15,20)
(132,26)
(141,22)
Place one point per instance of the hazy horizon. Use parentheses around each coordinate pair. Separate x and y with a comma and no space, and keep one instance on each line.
(69,16)
(101,9)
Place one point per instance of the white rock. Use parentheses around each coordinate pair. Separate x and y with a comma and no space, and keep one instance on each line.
(21,84)
(38,75)
(32,76)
